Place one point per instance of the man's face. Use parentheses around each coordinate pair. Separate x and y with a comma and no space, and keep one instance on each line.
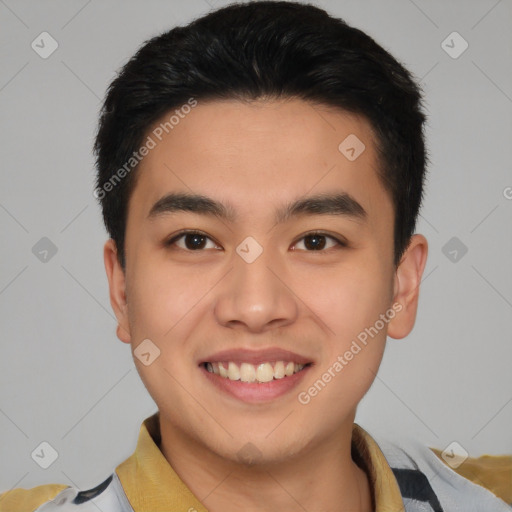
(258,291)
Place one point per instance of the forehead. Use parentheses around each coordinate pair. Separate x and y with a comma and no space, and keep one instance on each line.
(255,155)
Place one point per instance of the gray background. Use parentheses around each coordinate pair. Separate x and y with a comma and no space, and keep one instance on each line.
(64,376)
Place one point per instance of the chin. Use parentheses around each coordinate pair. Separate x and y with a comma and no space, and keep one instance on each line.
(258,450)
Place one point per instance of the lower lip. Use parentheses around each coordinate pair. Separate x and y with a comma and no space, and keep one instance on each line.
(256,392)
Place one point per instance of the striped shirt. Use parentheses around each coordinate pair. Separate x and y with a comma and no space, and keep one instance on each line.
(411,478)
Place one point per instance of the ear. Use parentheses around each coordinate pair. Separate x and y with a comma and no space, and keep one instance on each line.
(407,287)
(117,286)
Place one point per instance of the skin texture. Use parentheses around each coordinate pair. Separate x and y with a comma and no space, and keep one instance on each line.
(258,157)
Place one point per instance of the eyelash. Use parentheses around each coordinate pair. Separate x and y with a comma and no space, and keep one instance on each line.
(181,234)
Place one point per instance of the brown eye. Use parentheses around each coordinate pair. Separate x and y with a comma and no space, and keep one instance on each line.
(314,242)
(317,242)
(192,241)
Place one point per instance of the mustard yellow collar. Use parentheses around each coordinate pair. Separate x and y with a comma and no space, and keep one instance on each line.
(151,484)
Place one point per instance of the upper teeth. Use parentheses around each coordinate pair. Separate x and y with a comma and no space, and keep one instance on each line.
(246,372)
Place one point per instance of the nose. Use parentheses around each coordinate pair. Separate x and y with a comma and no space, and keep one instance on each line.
(255,296)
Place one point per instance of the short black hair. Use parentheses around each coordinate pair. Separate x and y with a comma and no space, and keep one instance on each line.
(264,50)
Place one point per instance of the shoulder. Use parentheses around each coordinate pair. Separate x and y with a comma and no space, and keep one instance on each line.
(25,500)
(423,475)
(108,495)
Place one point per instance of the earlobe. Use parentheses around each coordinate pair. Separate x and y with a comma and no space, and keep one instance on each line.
(407,286)
(117,290)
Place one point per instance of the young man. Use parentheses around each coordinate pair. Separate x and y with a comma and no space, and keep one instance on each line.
(260,173)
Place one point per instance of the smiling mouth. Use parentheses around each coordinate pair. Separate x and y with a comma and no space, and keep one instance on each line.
(260,373)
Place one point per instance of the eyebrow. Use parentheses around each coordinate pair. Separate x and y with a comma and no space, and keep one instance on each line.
(340,203)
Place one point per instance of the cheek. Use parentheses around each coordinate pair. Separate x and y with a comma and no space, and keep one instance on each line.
(352,353)
(163,296)
(163,306)
(167,305)
(360,312)
(348,300)
(350,304)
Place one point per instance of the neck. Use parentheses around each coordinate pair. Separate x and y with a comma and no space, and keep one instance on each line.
(321,478)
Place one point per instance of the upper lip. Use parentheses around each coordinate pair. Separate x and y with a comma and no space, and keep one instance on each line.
(255,356)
